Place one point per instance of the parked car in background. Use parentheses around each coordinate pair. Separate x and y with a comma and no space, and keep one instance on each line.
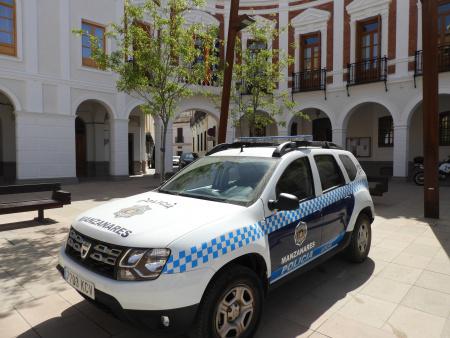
(176,160)
(187,158)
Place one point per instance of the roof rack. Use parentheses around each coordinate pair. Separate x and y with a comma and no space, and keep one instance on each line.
(293,143)
(290,146)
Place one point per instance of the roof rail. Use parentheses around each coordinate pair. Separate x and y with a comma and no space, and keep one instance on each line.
(289,146)
(281,149)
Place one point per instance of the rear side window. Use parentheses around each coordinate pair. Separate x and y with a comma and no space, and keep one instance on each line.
(297,180)
(349,166)
(329,172)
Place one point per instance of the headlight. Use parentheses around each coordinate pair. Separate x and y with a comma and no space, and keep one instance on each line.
(142,264)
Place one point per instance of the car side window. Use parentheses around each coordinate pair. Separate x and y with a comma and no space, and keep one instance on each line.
(349,166)
(297,180)
(329,172)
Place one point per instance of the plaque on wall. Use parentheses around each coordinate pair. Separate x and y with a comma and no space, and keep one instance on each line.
(359,146)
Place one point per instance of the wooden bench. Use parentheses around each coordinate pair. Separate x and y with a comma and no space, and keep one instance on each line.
(58,199)
(378,185)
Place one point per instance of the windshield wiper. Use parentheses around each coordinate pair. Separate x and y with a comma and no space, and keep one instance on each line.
(207,198)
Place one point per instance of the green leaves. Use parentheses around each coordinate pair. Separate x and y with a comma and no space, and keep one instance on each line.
(258,70)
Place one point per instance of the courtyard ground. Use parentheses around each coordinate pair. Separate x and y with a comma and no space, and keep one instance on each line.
(402,290)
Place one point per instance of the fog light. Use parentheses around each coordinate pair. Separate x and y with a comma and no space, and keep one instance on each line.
(165,321)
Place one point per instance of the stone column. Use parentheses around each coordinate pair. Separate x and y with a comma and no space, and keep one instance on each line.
(119,148)
(402,44)
(338,42)
(284,39)
(45,146)
(339,137)
(401,143)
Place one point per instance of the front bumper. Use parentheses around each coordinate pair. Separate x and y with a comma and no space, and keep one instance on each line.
(175,296)
(178,320)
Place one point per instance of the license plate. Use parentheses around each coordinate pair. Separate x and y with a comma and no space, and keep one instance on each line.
(79,283)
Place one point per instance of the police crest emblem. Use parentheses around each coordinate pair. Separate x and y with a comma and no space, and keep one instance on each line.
(132,211)
(301,230)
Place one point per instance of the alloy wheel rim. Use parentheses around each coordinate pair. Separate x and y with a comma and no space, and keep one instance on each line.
(363,238)
(235,312)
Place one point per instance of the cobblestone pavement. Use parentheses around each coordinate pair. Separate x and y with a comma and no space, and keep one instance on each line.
(403,290)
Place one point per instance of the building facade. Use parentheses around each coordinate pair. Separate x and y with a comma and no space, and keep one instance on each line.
(357,74)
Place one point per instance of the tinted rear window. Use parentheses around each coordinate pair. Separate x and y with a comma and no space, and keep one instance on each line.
(349,166)
(329,172)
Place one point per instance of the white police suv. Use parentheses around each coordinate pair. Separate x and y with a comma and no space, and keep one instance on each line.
(201,252)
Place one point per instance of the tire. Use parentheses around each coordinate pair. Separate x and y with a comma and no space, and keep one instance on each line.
(419,178)
(360,241)
(234,281)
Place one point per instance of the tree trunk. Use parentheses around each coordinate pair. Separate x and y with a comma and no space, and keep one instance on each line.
(163,152)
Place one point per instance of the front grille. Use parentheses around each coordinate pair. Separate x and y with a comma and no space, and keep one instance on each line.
(95,255)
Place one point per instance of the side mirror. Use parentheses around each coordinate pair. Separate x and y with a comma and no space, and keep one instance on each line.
(285,202)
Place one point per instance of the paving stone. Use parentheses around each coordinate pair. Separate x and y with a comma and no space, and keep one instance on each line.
(74,326)
(400,273)
(44,309)
(430,301)
(339,326)
(435,281)
(411,323)
(386,289)
(12,324)
(413,261)
(368,310)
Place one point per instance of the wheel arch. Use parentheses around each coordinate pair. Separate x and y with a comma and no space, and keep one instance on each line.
(253,261)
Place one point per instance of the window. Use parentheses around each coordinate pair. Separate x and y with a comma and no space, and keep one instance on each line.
(369,44)
(96,30)
(8,27)
(294,127)
(179,138)
(226,179)
(310,52)
(254,46)
(297,180)
(329,172)
(385,131)
(444,129)
(205,146)
(349,166)
(444,24)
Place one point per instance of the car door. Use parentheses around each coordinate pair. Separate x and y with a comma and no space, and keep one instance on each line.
(293,235)
(337,199)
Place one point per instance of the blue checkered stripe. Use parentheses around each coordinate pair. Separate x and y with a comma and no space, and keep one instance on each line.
(189,259)
(205,252)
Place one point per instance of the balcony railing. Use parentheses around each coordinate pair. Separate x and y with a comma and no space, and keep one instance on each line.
(309,80)
(367,71)
(443,61)
(179,139)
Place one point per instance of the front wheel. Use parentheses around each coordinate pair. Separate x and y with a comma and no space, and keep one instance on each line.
(232,305)
(359,246)
(419,178)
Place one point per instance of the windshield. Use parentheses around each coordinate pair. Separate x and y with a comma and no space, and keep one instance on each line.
(237,180)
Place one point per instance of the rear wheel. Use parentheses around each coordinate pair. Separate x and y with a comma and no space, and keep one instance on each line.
(361,239)
(232,305)
(419,178)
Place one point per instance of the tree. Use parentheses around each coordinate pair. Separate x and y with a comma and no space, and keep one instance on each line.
(256,75)
(159,57)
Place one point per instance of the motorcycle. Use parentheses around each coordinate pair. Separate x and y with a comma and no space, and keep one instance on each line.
(419,170)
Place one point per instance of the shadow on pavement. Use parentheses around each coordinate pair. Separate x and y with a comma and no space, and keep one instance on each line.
(303,301)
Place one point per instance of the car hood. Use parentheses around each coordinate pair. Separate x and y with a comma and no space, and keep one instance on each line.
(150,220)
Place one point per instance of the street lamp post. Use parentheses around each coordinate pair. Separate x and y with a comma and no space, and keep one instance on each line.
(430,107)
(237,23)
